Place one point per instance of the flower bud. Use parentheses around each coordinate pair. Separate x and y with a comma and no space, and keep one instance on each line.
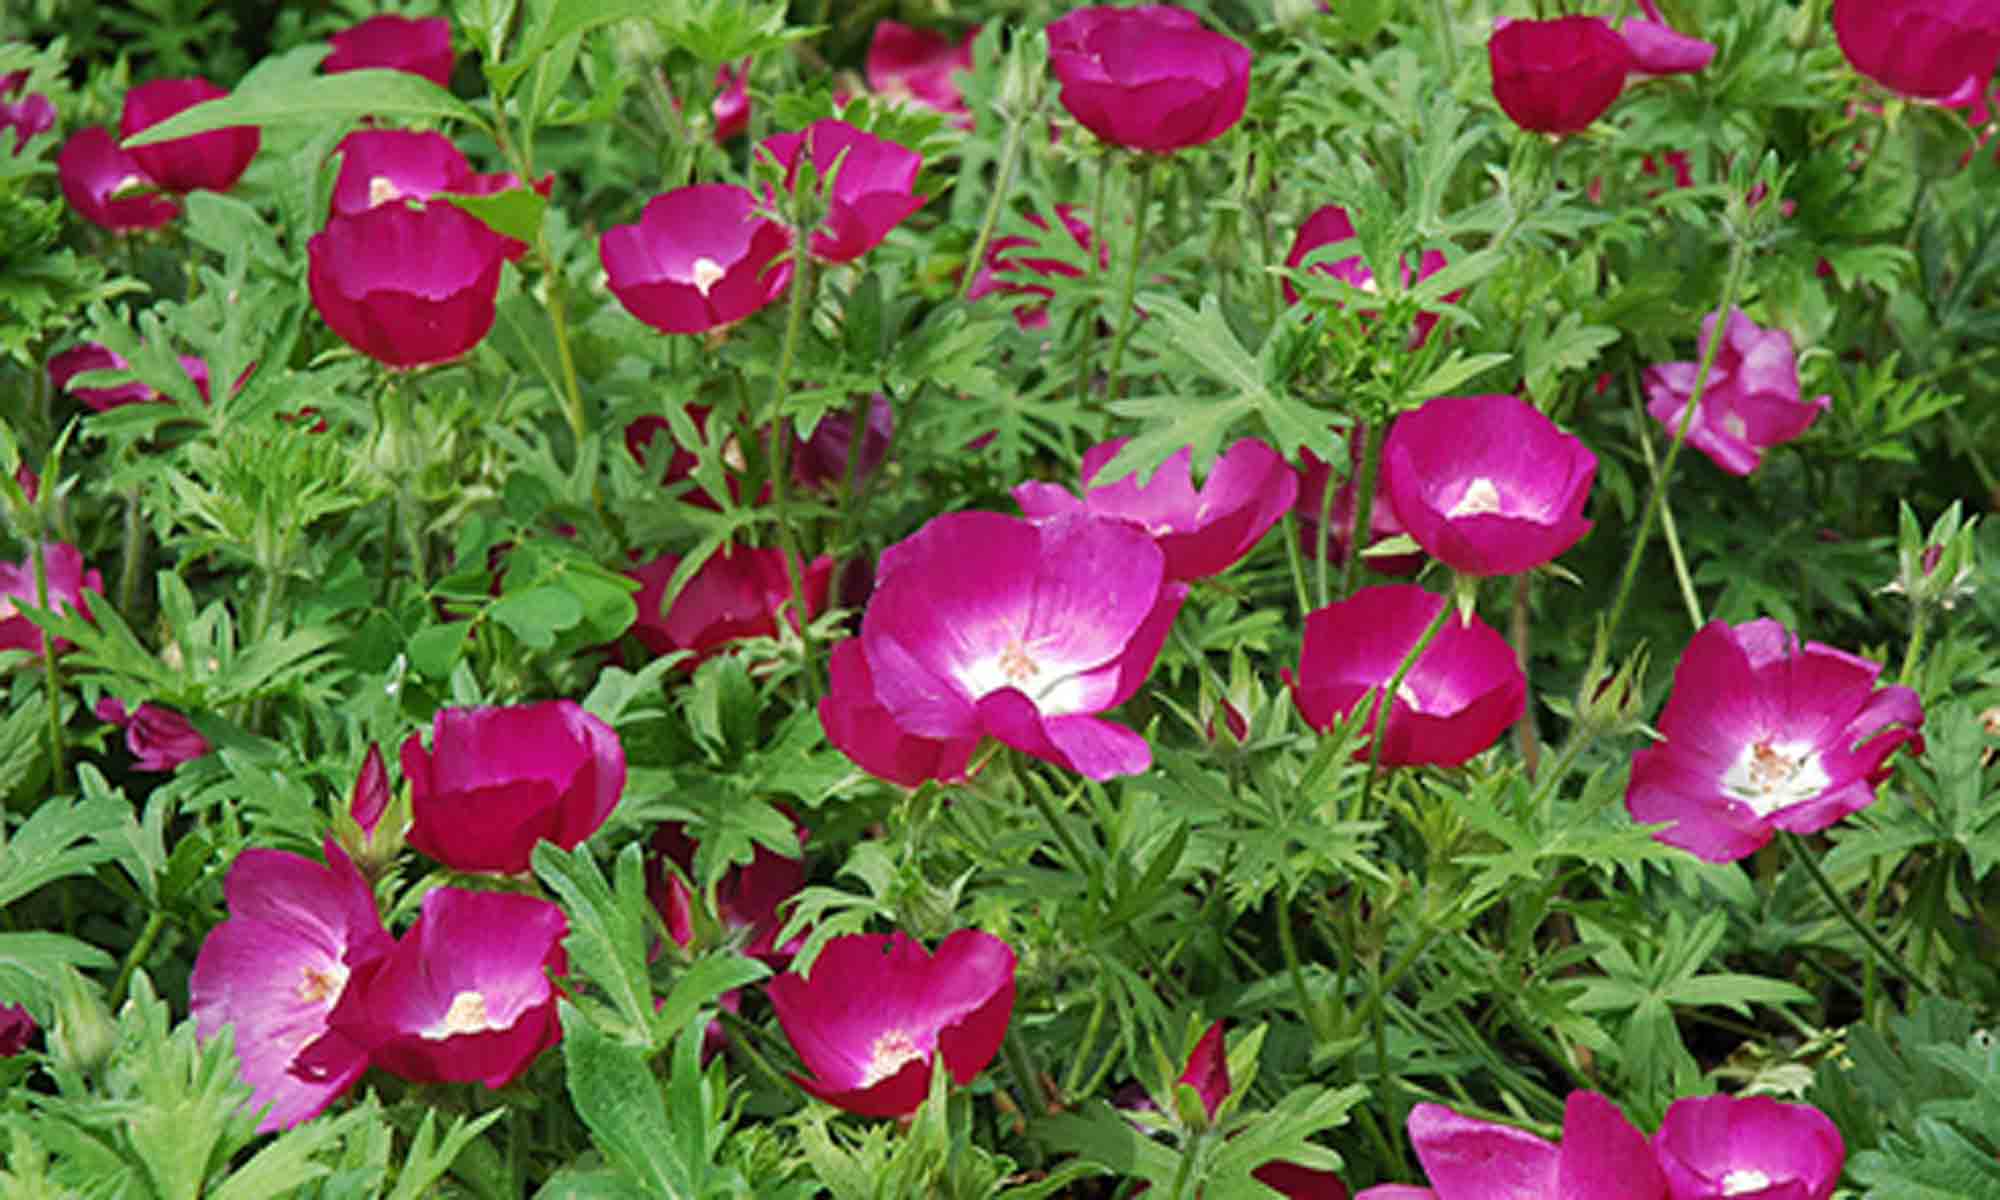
(84,1035)
(1935,568)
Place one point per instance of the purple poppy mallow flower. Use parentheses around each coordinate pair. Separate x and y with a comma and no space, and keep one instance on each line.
(30,116)
(822,460)
(738,593)
(876,1010)
(1762,733)
(415,46)
(385,166)
(988,625)
(700,257)
(860,727)
(94,356)
(1601,1155)
(1712,1147)
(1001,272)
(1660,49)
(748,898)
(919,66)
(1148,78)
(465,995)
(17,1029)
(1943,51)
(730,110)
(872,193)
(1460,695)
(370,796)
(1207,1070)
(1330,225)
(498,780)
(1557,76)
(408,286)
(1202,531)
(1751,401)
(159,739)
(107,187)
(211,161)
(67,582)
(276,970)
(1487,485)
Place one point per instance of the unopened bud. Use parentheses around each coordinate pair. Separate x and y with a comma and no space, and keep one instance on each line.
(84,1034)
(1935,568)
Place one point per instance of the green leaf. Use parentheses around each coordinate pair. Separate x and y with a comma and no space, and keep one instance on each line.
(46,848)
(699,985)
(537,615)
(515,213)
(323,99)
(30,961)
(616,1095)
(609,933)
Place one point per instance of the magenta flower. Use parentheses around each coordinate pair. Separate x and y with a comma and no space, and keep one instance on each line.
(67,582)
(917,66)
(700,257)
(409,287)
(1751,401)
(1459,696)
(747,897)
(277,969)
(1021,630)
(159,739)
(384,166)
(17,1028)
(876,1009)
(821,461)
(1602,1155)
(107,187)
(730,110)
(370,797)
(497,780)
(465,993)
(1763,734)
(1557,76)
(93,356)
(1314,474)
(213,161)
(1487,485)
(1711,1147)
(1149,78)
(989,278)
(872,194)
(1207,1070)
(30,116)
(1939,50)
(859,726)
(1329,225)
(1202,532)
(1659,49)
(736,594)
(416,46)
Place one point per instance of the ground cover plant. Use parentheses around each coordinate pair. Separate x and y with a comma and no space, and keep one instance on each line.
(995,598)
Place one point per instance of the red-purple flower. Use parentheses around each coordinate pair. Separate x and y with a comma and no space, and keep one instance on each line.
(106,185)
(1601,1156)
(1461,694)
(1149,78)
(1487,485)
(17,1027)
(1557,76)
(736,594)
(877,1009)
(872,194)
(276,970)
(918,66)
(94,356)
(860,727)
(986,625)
(1712,1147)
(1939,50)
(407,286)
(418,46)
(1207,1072)
(1762,734)
(1329,225)
(159,739)
(213,161)
(699,257)
(1751,401)
(747,897)
(497,780)
(821,461)
(29,116)
(67,582)
(1201,531)
(989,278)
(1659,49)
(1314,474)
(730,110)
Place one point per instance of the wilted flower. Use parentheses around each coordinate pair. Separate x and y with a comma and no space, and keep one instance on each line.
(1659,49)
(1149,78)
(989,278)
(1557,76)
(418,46)
(860,727)
(747,897)
(497,780)
(1202,532)
(213,161)
(67,582)
(29,116)
(1329,225)
(1939,50)
(1712,1147)
(1751,401)
(871,195)
(699,257)
(917,66)
(1463,691)
(407,286)
(1602,1155)
(159,739)
(736,594)
(1487,485)
(877,1009)
(107,187)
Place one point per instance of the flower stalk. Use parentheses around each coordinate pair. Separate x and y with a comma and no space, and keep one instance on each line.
(1129,316)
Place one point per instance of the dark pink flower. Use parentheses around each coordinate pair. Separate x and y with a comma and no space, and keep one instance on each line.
(1295,1182)
(16,1029)
(1601,1156)
(1329,225)
(1202,532)
(497,780)
(730,110)
(1487,485)
(821,461)
(699,257)
(998,264)
(1939,50)
(67,582)
(986,625)
(465,993)
(747,897)
(1149,78)
(213,161)
(386,166)
(417,46)
(276,970)
(1751,401)
(370,797)
(877,1009)
(736,594)
(1763,734)
(1459,696)
(106,186)
(918,66)
(681,462)
(1557,76)
(159,739)
(93,356)
(859,726)
(1713,1147)
(407,286)
(1207,1070)
(1658,49)
(29,116)
(1314,474)
(872,194)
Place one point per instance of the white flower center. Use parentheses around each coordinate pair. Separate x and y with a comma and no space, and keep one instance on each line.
(467,1014)
(1769,777)
(321,985)
(1481,497)
(1744,1180)
(1733,426)
(129,186)
(1055,690)
(381,190)
(706,272)
(888,1055)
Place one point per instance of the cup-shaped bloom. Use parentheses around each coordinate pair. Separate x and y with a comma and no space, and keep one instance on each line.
(1601,1155)
(1762,733)
(67,582)
(107,187)
(1201,531)
(917,66)
(1660,49)
(497,780)
(213,161)
(983,624)
(860,727)
(873,191)
(1460,695)
(27,117)
(736,594)
(748,897)
(420,46)
(1712,1147)
(465,993)
(1487,485)
(1557,76)
(1148,78)
(1001,272)
(407,286)
(877,1009)
(276,970)
(17,1028)
(1329,225)
(1751,401)
(385,166)
(159,739)
(1941,50)
(699,257)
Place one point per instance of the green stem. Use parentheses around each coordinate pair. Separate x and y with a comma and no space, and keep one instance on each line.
(1129,314)
(131,561)
(1293,557)
(1520,627)
(1383,704)
(1385,1080)
(1361,532)
(1003,183)
(1919,625)
(1667,527)
(1074,1076)
(155,922)
(1446,39)
(1087,341)
(746,1034)
(804,279)
(1023,1071)
(1037,794)
(579,423)
(54,673)
(1882,950)
(1289,947)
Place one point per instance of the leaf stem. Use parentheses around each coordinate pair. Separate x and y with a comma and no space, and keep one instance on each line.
(799,300)
(54,672)
(1883,951)
(1383,702)
(1361,531)
(1010,161)
(150,933)
(1129,316)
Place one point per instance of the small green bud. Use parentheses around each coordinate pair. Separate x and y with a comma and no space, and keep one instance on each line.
(84,1034)
(1935,568)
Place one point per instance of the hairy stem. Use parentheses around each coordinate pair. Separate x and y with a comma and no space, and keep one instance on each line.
(1129,316)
